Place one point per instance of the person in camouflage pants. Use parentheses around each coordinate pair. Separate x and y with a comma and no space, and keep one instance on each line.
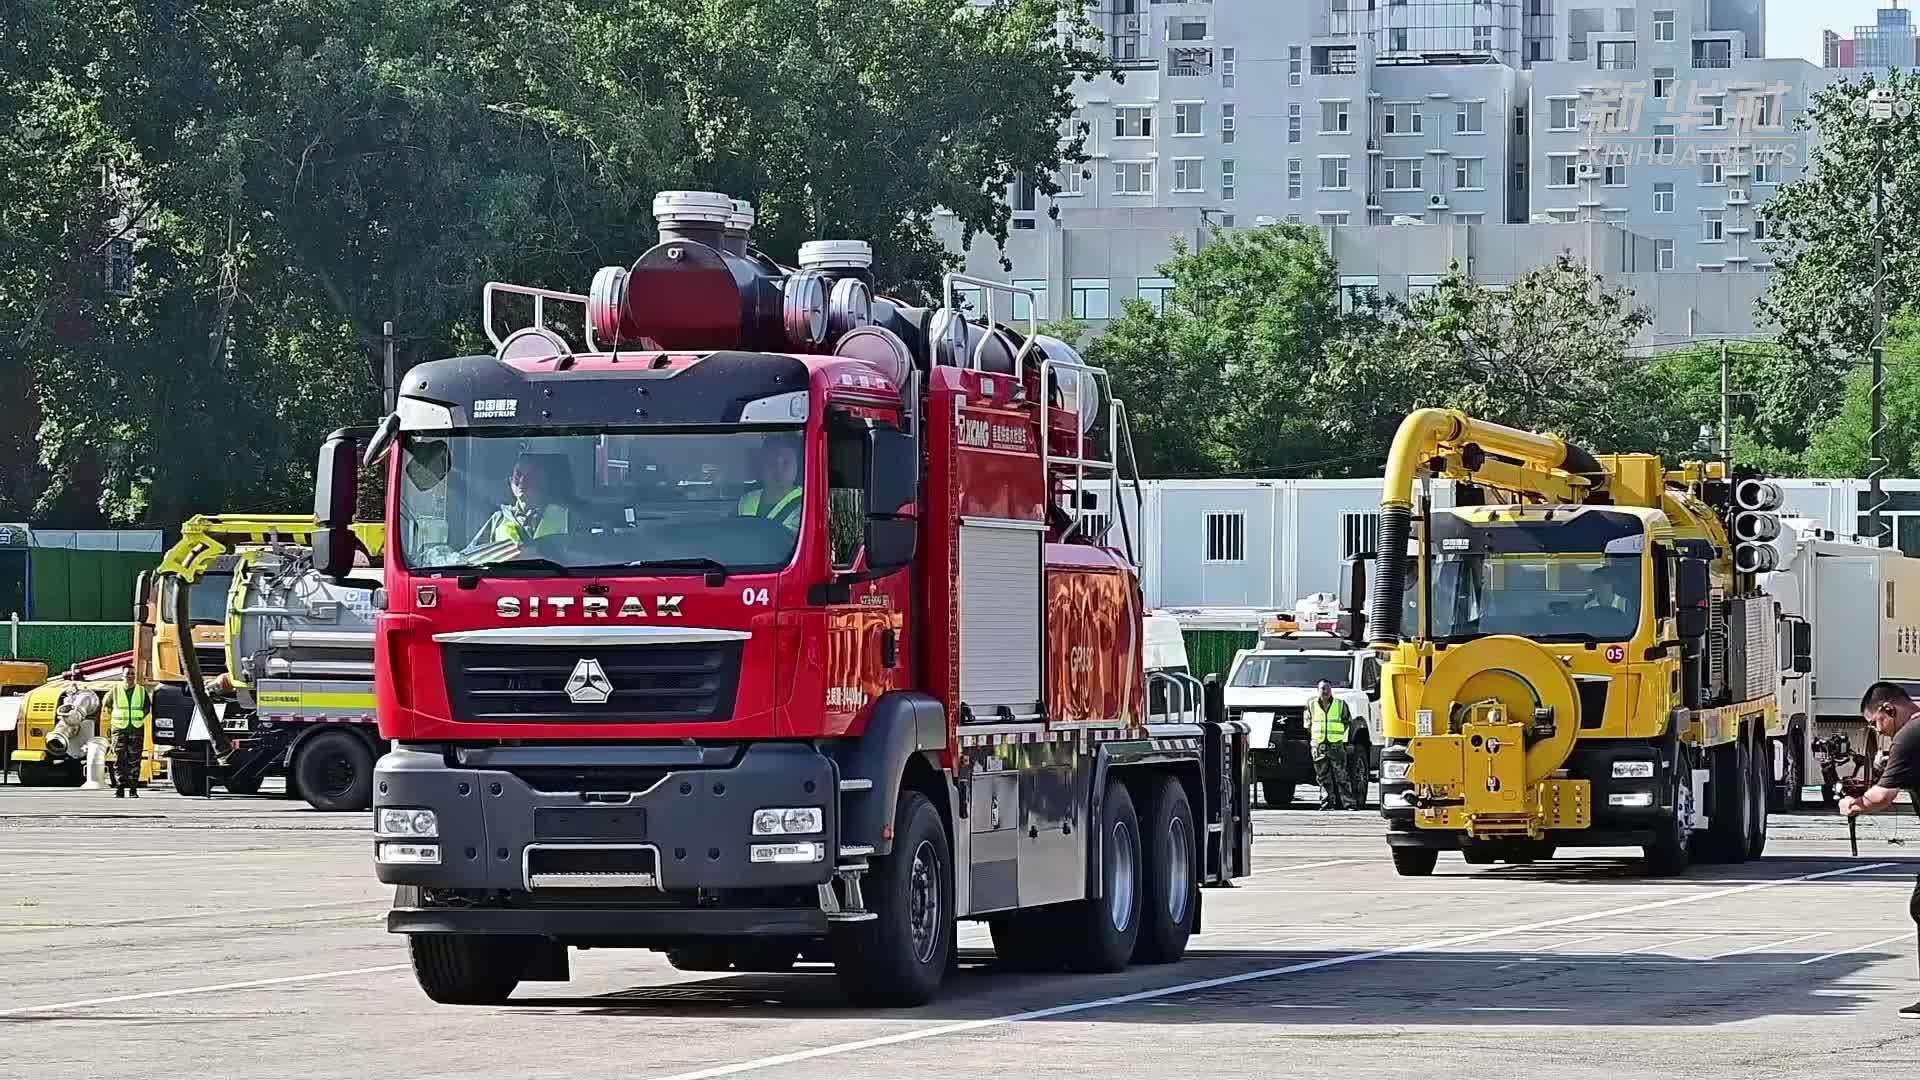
(1327,719)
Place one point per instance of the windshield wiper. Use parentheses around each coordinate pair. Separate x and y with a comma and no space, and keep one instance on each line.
(529,562)
(713,567)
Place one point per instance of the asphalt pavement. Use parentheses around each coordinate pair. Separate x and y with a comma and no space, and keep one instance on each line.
(243,937)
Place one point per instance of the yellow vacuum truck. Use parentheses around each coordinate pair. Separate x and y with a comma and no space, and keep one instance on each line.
(1577,651)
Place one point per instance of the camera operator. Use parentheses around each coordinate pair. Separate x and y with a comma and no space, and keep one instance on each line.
(1889,711)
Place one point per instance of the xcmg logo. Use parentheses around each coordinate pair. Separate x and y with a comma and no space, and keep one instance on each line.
(589,607)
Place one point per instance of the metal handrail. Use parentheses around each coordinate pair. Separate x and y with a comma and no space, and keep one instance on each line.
(540,298)
(988,287)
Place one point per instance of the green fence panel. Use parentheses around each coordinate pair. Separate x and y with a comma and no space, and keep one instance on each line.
(1211,652)
(59,645)
(85,586)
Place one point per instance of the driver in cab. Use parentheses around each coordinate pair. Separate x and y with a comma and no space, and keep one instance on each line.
(777,467)
(533,514)
(1604,593)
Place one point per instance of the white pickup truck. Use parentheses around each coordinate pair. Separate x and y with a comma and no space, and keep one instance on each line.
(1268,689)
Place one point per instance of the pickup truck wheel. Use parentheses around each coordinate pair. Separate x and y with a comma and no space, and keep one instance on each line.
(1103,931)
(1414,861)
(900,958)
(335,771)
(188,779)
(1172,884)
(1276,795)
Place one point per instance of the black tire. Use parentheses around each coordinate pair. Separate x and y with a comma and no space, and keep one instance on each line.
(250,786)
(1275,795)
(1101,932)
(1027,941)
(900,958)
(1672,849)
(464,969)
(1477,852)
(1759,787)
(1789,795)
(189,778)
(707,957)
(1172,894)
(1728,831)
(335,772)
(1414,861)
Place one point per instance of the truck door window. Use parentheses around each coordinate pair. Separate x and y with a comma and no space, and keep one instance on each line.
(1370,675)
(1663,582)
(846,490)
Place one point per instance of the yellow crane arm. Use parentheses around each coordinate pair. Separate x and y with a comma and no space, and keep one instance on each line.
(204,538)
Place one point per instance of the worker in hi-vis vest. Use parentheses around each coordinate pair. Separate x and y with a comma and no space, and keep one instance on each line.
(533,514)
(128,712)
(1327,719)
(778,496)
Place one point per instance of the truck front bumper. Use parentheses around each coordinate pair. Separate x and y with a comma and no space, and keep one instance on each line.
(611,926)
(628,824)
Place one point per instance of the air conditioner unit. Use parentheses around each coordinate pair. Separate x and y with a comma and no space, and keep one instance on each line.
(1134,24)
(1587,172)
(1437,201)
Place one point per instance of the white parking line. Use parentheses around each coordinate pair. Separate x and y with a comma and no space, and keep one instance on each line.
(251,984)
(1765,945)
(1305,866)
(919,1034)
(1669,944)
(1861,948)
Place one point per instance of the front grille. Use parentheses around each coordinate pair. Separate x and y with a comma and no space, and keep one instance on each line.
(1289,722)
(213,660)
(647,683)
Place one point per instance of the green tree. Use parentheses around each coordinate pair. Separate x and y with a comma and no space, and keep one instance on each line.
(1822,231)
(1839,446)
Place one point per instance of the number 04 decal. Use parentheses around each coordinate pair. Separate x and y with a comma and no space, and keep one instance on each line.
(751,596)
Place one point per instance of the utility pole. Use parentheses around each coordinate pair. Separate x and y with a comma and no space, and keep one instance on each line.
(1726,410)
(389,382)
(1880,109)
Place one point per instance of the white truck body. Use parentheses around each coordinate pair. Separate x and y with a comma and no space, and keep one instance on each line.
(1268,689)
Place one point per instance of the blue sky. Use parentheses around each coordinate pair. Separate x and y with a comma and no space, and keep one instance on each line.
(1794,26)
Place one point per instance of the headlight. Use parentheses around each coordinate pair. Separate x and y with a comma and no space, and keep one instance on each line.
(407,853)
(403,821)
(808,852)
(1394,770)
(1633,770)
(1630,798)
(788,821)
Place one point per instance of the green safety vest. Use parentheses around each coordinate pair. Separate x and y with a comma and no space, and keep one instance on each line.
(129,707)
(509,528)
(786,510)
(1328,724)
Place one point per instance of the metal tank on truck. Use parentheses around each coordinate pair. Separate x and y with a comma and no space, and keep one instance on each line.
(762,629)
(1577,653)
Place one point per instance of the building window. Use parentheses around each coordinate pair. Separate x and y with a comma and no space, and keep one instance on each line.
(1090,298)
(1663,197)
(1520,128)
(1469,174)
(1226,178)
(1229,67)
(1226,122)
(1615,174)
(1226,221)
(1359,531)
(1133,122)
(1768,110)
(1334,119)
(1482,38)
(1189,118)
(1402,118)
(1663,26)
(1333,174)
(1403,174)
(1186,174)
(1470,217)
(1519,176)
(1294,182)
(120,267)
(1560,170)
(1662,83)
(1663,143)
(1294,65)
(1334,217)
(1356,290)
(1026,194)
(1470,118)
(1766,172)
(1717,111)
(1070,179)
(1760,229)
(1663,254)
(966,299)
(1397,39)
(1022,308)
(1156,291)
(1293,122)
(1713,171)
(1712,268)
(1565,115)
(1133,178)
(1226,536)
(1617,56)
(1712,53)
(1713,226)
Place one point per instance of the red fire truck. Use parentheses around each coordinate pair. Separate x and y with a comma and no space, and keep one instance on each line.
(776,624)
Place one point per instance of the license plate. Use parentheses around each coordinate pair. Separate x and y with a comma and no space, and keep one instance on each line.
(567,823)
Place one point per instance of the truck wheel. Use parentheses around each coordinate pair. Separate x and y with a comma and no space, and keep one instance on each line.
(1788,796)
(900,958)
(335,771)
(189,778)
(1026,941)
(1671,849)
(1759,786)
(1102,932)
(1172,893)
(1729,807)
(468,969)
(1414,861)
(1276,795)
(1476,852)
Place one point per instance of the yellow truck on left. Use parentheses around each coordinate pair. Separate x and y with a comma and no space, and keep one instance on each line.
(232,709)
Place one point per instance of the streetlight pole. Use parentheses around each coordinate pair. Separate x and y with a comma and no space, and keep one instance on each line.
(1880,108)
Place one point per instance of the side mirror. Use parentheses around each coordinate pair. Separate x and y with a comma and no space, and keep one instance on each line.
(1802,647)
(141,585)
(1213,694)
(893,471)
(890,544)
(1695,586)
(336,484)
(1353,596)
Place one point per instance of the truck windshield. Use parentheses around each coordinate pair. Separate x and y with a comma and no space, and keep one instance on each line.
(1576,579)
(652,502)
(1295,670)
(206,599)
